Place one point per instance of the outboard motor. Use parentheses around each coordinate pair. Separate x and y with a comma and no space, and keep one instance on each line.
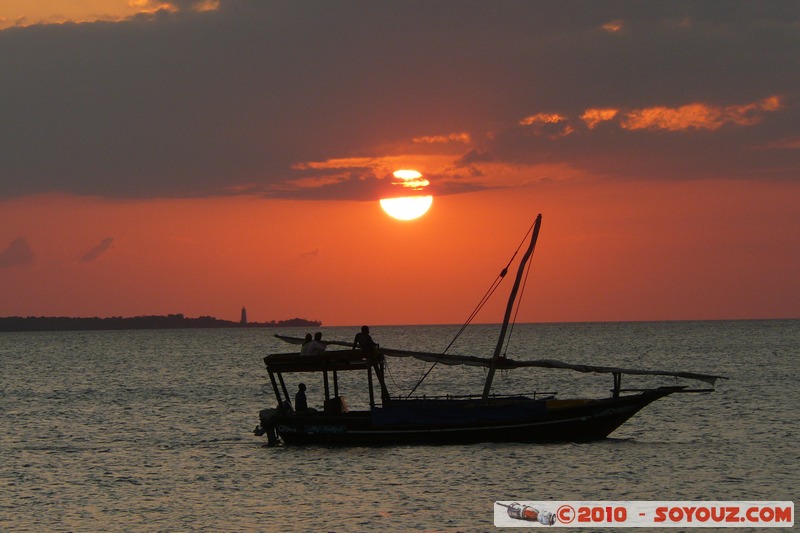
(268,423)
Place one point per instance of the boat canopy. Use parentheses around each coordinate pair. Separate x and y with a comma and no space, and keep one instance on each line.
(337,358)
(334,360)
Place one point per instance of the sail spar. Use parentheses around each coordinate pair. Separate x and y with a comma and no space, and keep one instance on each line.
(510,306)
(509,364)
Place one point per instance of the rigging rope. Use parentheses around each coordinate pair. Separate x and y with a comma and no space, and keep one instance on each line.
(492,288)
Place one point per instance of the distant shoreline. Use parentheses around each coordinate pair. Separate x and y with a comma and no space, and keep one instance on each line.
(177,321)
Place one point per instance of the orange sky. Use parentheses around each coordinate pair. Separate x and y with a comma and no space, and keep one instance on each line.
(630,251)
(221,154)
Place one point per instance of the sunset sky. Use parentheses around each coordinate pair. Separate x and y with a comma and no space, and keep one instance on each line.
(199,156)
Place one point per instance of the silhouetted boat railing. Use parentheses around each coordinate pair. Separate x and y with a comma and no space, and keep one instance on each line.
(535,395)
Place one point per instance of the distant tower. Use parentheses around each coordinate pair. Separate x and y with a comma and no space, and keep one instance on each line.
(243,321)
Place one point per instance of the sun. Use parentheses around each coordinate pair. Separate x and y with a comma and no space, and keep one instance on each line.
(408,206)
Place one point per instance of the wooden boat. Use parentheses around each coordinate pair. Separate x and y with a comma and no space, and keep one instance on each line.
(450,420)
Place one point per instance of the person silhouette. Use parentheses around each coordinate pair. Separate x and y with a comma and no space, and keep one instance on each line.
(364,341)
(316,347)
(304,349)
(300,402)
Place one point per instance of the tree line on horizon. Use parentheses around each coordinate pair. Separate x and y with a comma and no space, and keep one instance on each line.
(174,321)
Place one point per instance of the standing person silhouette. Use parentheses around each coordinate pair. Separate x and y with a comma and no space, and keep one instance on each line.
(300,402)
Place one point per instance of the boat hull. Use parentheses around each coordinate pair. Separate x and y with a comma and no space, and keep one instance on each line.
(454,422)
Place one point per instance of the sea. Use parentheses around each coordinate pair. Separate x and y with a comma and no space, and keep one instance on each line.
(152,430)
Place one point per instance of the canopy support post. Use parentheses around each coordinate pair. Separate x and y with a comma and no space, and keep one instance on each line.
(384,391)
(617,384)
(283,387)
(275,387)
(335,384)
(371,391)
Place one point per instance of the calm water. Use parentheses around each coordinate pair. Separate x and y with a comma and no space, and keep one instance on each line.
(152,430)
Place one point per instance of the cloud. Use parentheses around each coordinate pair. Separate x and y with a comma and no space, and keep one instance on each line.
(97,251)
(237,97)
(36,13)
(444,139)
(18,253)
(173,6)
(474,156)
(700,116)
(550,124)
(694,116)
(789,143)
(593,117)
(542,118)
(614,26)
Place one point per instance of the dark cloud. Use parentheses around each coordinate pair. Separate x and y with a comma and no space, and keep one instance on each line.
(474,156)
(17,253)
(363,184)
(196,103)
(97,251)
(354,186)
(693,141)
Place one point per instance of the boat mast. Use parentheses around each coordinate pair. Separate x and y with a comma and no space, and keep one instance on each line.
(510,307)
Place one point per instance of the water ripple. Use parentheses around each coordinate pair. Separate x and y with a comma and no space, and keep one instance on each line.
(143,431)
